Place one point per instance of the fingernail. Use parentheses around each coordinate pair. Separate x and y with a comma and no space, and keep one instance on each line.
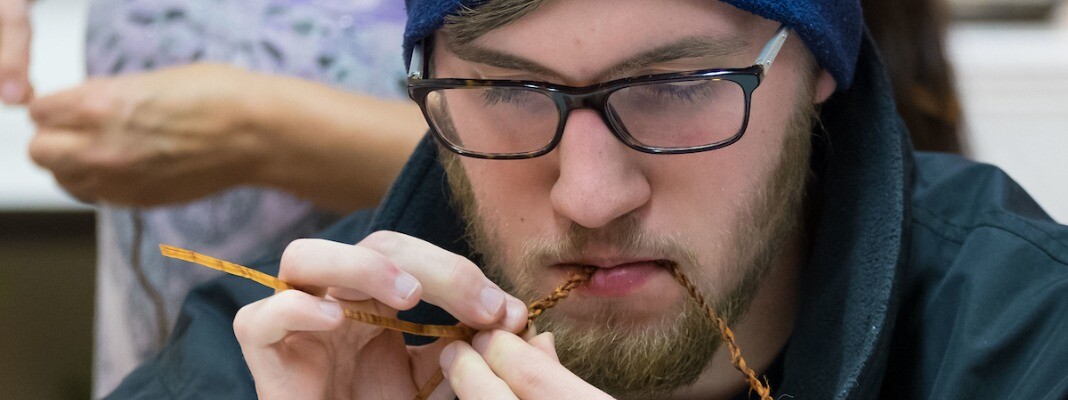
(405,286)
(492,300)
(448,355)
(11,92)
(330,308)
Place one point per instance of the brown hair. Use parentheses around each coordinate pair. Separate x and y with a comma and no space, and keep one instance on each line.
(910,35)
(470,23)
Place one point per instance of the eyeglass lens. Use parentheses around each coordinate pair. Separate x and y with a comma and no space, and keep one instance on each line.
(667,115)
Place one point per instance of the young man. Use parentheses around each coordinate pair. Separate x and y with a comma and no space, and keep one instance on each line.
(626,136)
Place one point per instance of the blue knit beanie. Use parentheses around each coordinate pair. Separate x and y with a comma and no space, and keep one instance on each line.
(831,29)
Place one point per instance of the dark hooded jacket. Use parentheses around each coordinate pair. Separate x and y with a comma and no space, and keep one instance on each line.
(930,276)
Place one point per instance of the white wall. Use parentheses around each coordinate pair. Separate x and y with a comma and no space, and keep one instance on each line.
(58,62)
(1013,83)
(1013,80)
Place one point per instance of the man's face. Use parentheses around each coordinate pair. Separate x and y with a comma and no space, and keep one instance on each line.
(722,216)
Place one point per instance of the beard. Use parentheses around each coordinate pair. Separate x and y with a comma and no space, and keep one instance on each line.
(611,351)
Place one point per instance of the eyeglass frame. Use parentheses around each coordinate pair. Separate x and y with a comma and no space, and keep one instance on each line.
(568,98)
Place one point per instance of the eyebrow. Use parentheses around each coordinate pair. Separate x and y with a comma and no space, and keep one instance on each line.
(481,55)
(687,47)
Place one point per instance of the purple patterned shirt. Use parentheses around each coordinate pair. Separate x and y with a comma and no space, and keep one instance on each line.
(349,44)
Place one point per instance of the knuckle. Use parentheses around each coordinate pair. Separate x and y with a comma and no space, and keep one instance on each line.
(374,265)
(251,319)
(243,328)
(503,349)
(287,300)
(462,272)
(384,241)
(98,100)
(95,110)
(296,250)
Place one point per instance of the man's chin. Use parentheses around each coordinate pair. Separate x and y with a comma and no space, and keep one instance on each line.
(633,355)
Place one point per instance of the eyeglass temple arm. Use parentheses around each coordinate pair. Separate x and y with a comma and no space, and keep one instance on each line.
(767,56)
(415,68)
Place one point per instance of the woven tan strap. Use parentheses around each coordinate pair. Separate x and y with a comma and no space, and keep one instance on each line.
(465,333)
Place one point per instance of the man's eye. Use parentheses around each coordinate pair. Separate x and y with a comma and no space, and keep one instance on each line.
(682,91)
(496,96)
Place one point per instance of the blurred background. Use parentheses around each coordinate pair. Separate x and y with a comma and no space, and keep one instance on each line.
(1011,66)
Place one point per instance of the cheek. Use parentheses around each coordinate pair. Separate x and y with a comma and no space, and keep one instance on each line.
(703,196)
(513,198)
(751,161)
(700,197)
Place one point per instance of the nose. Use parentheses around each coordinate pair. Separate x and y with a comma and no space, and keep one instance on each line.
(600,179)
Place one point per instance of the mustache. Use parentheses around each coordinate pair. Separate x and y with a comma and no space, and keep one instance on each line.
(624,238)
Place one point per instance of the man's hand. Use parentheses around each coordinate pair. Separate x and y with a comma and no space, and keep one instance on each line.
(15,35)
(500,365)
(298,345)
(149,139)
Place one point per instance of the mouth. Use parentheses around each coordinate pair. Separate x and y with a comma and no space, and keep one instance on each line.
(617,278)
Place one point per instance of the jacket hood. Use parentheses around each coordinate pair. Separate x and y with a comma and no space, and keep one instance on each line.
(850,286)
(840,341)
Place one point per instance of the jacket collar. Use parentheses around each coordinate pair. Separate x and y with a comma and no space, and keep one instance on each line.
(849,289)
(839,345)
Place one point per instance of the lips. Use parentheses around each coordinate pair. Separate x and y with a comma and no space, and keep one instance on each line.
(621,279)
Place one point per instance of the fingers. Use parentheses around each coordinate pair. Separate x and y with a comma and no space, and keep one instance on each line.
(545,342)
(360,273)
(399,270)
(470,376)
(451,282)
(527,369)
(58,150)
(63,153)
(14,51)
(78,107)
(268,321)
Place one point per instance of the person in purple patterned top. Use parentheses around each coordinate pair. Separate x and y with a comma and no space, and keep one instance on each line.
(180,142)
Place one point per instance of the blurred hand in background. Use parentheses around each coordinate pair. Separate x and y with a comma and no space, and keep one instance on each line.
(15,33)
(147,139)
(178,134)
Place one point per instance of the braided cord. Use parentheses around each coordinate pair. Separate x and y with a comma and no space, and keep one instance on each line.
(534,310)
(725,334)
(461,332)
